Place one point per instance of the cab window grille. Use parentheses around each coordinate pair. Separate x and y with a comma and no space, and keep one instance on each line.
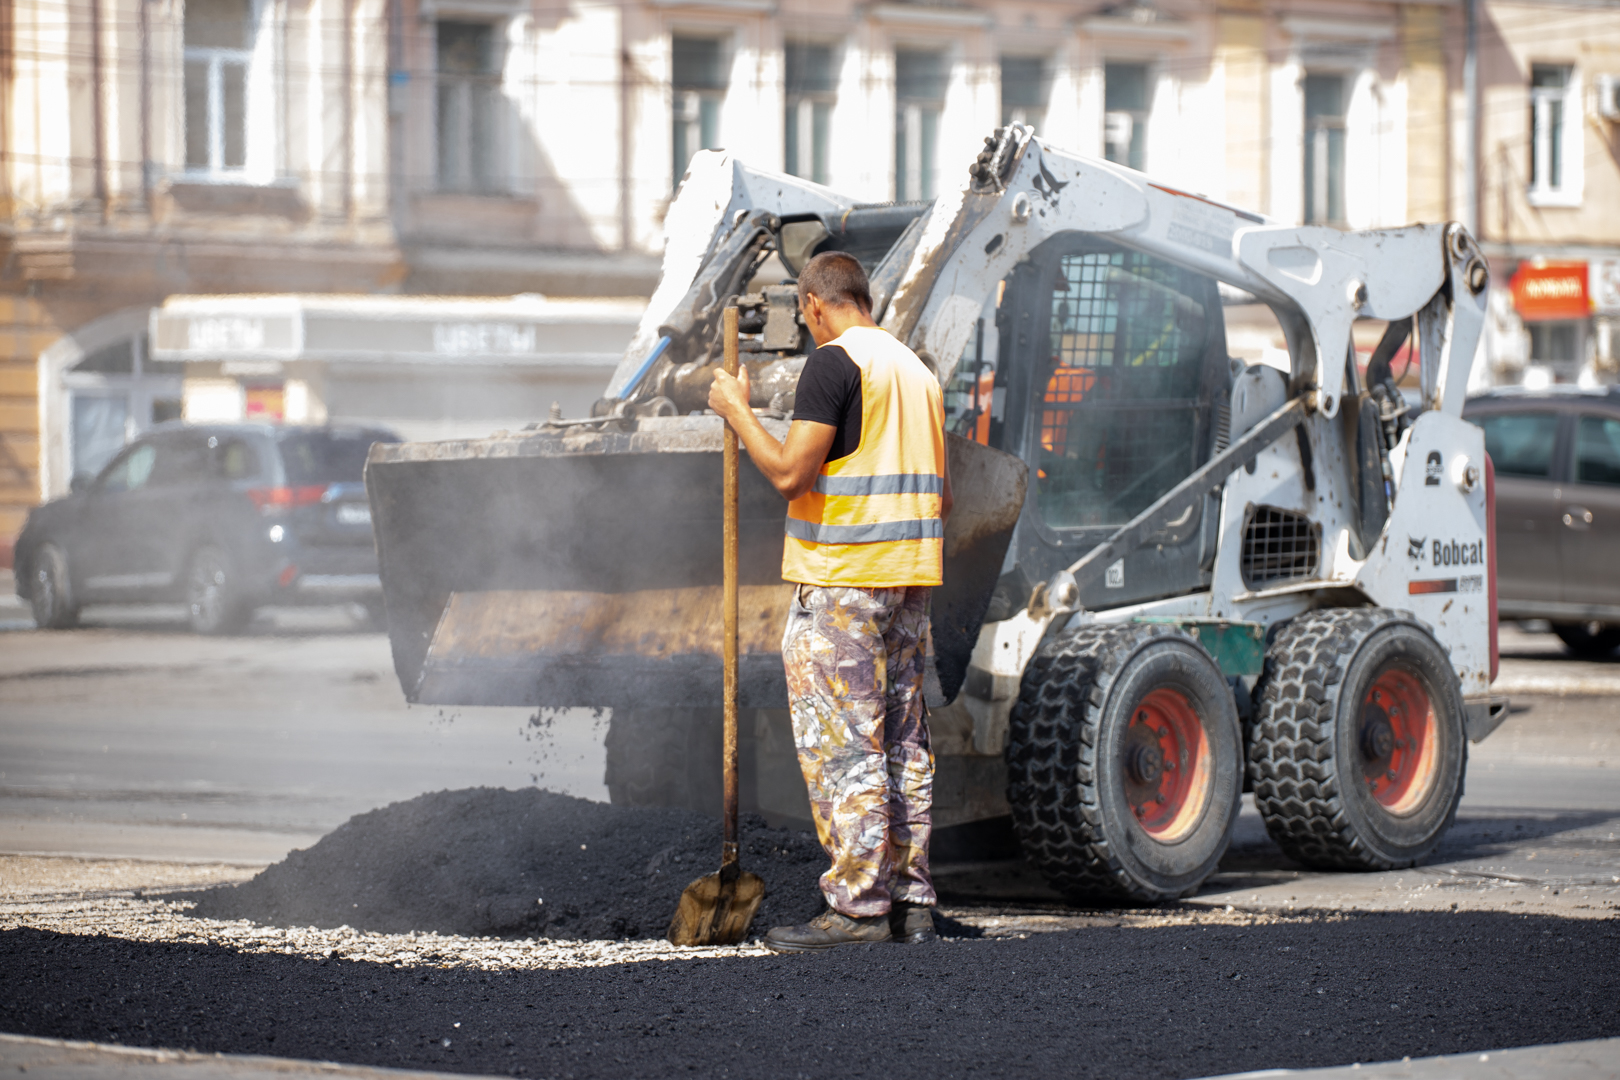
(1279,546)
(1117,413)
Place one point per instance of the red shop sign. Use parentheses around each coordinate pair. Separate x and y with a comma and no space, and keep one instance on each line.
(1554,291)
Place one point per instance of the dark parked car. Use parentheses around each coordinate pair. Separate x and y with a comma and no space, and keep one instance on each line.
(1557,458)
(224,517)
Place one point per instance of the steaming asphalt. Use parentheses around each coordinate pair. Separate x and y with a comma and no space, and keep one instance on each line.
(131,738)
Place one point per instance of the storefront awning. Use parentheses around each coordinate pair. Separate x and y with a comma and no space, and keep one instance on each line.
(519,330)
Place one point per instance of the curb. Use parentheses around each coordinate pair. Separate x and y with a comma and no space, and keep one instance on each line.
(56,1059)
(1595,1059)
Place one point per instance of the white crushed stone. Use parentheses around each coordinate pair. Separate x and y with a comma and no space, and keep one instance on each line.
(88,897)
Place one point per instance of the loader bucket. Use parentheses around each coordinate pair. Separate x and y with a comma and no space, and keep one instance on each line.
(582,567)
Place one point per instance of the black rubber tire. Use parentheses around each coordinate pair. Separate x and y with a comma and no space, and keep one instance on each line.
(1065,771)
(1594,640)
(213,603)
(51,596)
(1305,757)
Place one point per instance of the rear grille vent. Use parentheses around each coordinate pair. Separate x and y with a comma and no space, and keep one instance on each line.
(1279,546)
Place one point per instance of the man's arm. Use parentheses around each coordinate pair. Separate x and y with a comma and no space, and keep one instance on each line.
(791,467)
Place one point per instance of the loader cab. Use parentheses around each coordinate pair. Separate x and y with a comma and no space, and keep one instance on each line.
(1114,376)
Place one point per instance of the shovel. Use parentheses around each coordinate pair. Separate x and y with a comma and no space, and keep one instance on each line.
(716,909)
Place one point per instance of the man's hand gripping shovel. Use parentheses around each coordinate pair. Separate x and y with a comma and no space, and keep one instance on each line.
(717,909)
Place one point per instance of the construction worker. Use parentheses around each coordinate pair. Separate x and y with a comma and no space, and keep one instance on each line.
(864,473)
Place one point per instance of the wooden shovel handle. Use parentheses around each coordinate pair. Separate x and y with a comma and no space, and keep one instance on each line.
(728,850)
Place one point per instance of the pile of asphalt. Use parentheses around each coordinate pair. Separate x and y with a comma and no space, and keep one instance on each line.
(528,863)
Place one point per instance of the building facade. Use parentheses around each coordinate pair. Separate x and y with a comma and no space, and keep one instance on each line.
(312,149)
(1548,189)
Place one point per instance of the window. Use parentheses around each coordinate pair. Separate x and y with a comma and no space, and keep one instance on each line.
(218,54)
(1555,342)
(327,457)
(699,82)
(1520,444)
(99,430)
(182,459)
(130,472)
(1551,109)
(1023,91)
(1125,114)
(1324,149)
(811,81)
(1597,450)
(919,91)
(468,104)
(236,460)
(973,402)
(1118,417)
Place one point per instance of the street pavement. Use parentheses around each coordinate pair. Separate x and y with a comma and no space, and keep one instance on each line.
(132,738)
(136,758)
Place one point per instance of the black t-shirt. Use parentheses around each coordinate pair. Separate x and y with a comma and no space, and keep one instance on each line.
(830,393)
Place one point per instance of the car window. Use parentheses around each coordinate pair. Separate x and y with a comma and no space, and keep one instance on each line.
(327,457)
(236,459)
(1597,450)
(180,460)
(131,471)
(1520,444)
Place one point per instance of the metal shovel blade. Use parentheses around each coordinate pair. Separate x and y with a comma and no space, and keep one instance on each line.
(717,909)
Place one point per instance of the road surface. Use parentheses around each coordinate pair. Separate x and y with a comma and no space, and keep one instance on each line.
(132,738)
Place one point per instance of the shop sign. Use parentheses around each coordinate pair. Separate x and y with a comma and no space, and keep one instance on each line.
(1551,291)
(215,335)
(1604,285)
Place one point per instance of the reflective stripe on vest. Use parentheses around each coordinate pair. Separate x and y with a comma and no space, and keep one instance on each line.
(893,484)
(872,518)
(926,528)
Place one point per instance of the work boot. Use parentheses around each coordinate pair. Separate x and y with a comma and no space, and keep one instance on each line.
(912,924)
(828,930)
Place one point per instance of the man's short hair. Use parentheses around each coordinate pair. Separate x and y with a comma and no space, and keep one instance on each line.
(837,279)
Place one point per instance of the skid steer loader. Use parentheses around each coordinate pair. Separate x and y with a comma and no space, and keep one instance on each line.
(1170,576)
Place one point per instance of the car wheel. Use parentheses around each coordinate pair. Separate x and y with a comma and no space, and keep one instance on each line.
(1588,638)
(212,594)
(52,594)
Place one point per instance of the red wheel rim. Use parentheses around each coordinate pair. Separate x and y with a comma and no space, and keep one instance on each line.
(1167,765)
(1398,739)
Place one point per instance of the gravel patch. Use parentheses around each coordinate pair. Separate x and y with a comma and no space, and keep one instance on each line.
(526,863)
(110,910)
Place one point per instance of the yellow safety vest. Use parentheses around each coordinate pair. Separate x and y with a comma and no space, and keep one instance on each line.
(873,517)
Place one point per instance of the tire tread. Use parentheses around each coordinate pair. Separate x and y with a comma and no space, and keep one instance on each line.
(1052,782)
(1296,780)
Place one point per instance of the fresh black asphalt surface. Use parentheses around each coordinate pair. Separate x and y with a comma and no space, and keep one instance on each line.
(1173,1001)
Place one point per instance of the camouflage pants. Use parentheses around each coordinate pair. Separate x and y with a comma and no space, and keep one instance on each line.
(854,660)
